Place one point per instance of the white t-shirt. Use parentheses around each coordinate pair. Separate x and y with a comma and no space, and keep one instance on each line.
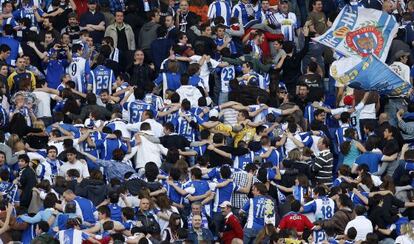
(368,112)
(404,239)
(43,103)
(82,168)
(204,71)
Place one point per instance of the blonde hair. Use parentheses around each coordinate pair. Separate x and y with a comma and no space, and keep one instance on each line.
(294,154)
(39,124)
(12,140)
(407,229)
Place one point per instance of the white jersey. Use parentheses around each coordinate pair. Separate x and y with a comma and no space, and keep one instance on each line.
(226,75)
(288,24)
(322,207)
(78,70)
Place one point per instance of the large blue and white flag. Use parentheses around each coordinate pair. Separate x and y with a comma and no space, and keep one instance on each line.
(370,74)
(359,31)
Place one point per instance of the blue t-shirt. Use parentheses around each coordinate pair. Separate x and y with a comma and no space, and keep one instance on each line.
(371,159)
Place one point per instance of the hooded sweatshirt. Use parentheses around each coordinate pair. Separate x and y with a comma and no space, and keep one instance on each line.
(190,93)
(147,35)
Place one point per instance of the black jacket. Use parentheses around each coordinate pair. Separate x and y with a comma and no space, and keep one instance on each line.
(27,182)
(140,74)
(149,224)
(94,190)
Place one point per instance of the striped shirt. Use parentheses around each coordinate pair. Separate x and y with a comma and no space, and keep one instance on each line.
(324,166)
(220,8)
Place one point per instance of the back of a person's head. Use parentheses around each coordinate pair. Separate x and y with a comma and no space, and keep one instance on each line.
(295,206)
(360,210)
(151,171)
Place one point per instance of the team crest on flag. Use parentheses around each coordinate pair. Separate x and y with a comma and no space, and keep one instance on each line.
(361,32)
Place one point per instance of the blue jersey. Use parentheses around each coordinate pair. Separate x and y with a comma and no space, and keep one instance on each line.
(172,118)
(102,78)
(87,208)
(172,194)
(220,8)
(223,194)
(319,236)
(215,172)
(274,157)
(200,150)
(54,72)
(95,136)
(70,236)
(197,187)
(184,128)
(230,45)
(241,161)
(107,146)
(27,12)
(340,135)
(257,209)
(356,200)
(10,192)
(116,213)
(135,110)
(155,101)
(195,80)
(169,81)
(14,48)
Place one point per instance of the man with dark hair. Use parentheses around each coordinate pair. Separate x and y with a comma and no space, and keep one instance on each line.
(42,236)
(323,166)
(74,163)
(295,220)
(4,54)
(9,40)
(26,180)
(361,223)
(94,22)
(260,210)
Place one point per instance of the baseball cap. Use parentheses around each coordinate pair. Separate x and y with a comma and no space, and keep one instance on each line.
(282,86)
(91,1)
(348,100)
(213,113)
(284,1)
(401,53)
(225,204)
(72,15)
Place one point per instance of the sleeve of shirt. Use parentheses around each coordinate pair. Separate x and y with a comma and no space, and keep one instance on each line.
(85,171)
(103,163)
(84,236)
(309,207)
(214,63)
(308,224)
(246,206)
(338,111)
(190,189)
(158,80)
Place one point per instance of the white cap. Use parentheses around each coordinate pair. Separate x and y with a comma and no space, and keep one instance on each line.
(225,204)
(213,113)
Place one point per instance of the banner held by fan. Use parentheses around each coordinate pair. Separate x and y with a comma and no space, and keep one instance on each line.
(370,74)
(360,32)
